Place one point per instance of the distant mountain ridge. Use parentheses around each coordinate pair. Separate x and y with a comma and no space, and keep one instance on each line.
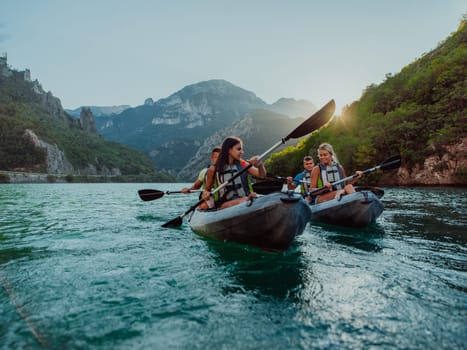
(98,111)
(171,130)
(203,104)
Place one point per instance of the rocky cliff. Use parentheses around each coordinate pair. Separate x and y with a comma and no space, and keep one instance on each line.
(56,161)
(446,168)
(87,121)
(37,135)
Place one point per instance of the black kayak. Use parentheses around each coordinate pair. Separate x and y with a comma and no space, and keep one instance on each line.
(270,222)
(357,209)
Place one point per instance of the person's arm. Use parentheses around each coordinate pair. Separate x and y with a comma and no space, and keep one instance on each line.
(297,179)
(257,170)
(291,183)
(196,185)
(354,179)
(209,182)
(314,178)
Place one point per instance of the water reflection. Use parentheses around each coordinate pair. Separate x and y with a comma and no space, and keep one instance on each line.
(367,239)
(436,215)
(7,255)
(279,275)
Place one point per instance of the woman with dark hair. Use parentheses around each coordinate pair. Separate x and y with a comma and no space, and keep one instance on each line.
(228,164)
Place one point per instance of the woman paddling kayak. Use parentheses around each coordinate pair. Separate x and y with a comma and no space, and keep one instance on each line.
(329,170)
(230,162)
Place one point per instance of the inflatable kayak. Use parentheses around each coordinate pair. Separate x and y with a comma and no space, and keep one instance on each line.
(357,209)
(269,222)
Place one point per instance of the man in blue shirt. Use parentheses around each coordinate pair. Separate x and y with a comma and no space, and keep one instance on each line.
(303,178)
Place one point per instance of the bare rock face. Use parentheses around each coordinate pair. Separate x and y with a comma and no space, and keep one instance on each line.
(57,163)
(53,105)
(87,121)
(445,169)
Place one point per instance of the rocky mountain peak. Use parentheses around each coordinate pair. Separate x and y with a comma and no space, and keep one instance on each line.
(199,104)
(87,120)
(215,90)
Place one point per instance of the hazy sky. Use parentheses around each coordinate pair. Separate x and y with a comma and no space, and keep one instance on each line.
(102,52)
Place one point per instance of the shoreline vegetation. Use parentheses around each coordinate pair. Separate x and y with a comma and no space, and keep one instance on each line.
(18,177)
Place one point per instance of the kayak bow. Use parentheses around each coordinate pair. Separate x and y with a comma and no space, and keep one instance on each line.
(269,222)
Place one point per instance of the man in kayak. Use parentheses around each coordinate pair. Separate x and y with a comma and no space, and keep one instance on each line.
(328,171)
(228,164)
(201,180)
(303,178)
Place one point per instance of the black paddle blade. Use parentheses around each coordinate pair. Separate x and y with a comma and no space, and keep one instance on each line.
(391,163)
(178,221)
(149,195)
(316,121)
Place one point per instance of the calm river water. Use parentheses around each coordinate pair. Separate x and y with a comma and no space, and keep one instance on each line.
(88,266)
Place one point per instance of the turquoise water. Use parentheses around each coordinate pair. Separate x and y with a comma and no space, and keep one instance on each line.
(88,266)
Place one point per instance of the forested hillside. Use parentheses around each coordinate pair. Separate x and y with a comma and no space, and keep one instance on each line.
(419,113)
(36,135)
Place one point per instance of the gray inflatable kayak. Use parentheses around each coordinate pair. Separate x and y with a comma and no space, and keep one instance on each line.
(269,222)
(357,209)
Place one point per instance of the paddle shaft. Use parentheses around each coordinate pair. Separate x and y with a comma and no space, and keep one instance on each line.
(189,191)
(387,164)
(276,177)
(150,195)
